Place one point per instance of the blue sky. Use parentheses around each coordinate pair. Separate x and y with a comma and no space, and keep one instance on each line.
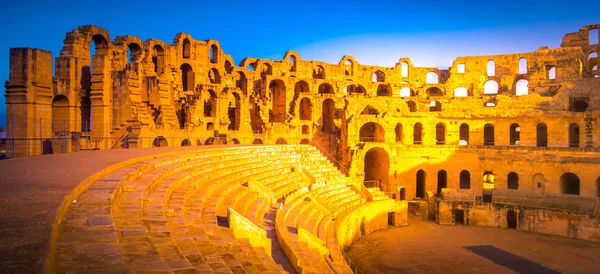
(431,33)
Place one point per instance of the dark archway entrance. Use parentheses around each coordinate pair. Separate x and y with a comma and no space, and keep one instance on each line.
(377,166)
(511,219)
(465,179)
(513,180)
(442,180)
(160,141)
(569,184)
(420,189)
(328,116)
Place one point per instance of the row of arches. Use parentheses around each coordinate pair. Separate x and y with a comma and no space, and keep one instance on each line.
(161,141)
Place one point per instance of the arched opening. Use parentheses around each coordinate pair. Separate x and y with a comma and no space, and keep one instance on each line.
(305,109)
(488,135)
(465,180)
(234,112)
(182,116)
(257,141)
(214,54)
(569,184)
(319,72)
(491,68)
(348,68)
(593,61)
(351,89)
(277,89)
(210,141)
(412,106)
(418,134)
(461,92)
(369,110)
(305,141)
(186,48)
(552,73)
(405,92)
(228,67)
(542,135)
(522,66)
(378,76)
(210,126)
(134,52)
(301,87)
(328,116)
(235,141)
(293,63)
(305,129)
(402,194)
(578,105)
(511,219)
(442,180)
(214,76)
(158,59)
(61,117)
(187,77)
(420,189)
(464,134)
(431,78)
(326,88)
(489,180)
(538,182)
(513,180)
(384,90)
(404,70)
(399,133)
(210,104)
(85,108)
(515,134)
(160,141)
(372,132)
(186,143)
(573,135)
(522,87)
(490,87)
(434,91)
(377,166)
(435,106)
(242,82)
(281,141)
(440,134)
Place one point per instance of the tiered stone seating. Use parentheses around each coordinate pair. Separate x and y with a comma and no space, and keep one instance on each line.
(171,213)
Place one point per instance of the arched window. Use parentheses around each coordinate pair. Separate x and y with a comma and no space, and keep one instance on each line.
(491,68)
(210,104)
(522,66)
(384,90)
(488,135)
(522,87)
(569,184)
(515,134)
(134,51)
(214,76)
(278,96)
(573,135)
(399,133)
(593,61)
(465,180)
(442,180)
(405,92)
(293,62)
(542,135)
(186,48)
(372,132)
(404,69)
(513,180)
(378,76)
(305,109)
(187,77)
(431,78)
(326,88)
(490,87)
(158,59)
(319,72)
(440,133)
(488,180)
(435,106)
(461,92)
(464,134)
(552,73)
(434,91)
(214,54)
(233,112)
(328,116)
(412,106)
(421,190)
(418,134)
(349,68)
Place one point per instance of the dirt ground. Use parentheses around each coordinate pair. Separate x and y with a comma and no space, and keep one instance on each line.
(425,247)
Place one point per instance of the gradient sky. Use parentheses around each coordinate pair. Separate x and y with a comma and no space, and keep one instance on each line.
(376,32)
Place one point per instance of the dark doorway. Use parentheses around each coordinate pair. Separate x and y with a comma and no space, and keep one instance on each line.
(459,217)
(377,165)
(573,135)
(569,184)
(513,180)
(542,135)
(515,134)
(488,135)
(420,193)
(442,180)
(417,134)
(464,133)
(465,180)
(511,219)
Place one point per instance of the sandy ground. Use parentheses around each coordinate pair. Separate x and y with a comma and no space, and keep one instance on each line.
(425,247)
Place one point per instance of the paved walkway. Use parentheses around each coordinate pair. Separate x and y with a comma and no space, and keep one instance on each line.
(31,191)
(425,247)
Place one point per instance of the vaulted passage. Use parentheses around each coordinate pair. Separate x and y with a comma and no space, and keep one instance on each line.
(277,89)
(569,184)
(305,109)
(328,116)
(234,113)
(513,180)
(488,135)
(372,132)
(542,135)
(377,166)
(418,134)
(60,114)
(420,184)
(442,180)
(465,180)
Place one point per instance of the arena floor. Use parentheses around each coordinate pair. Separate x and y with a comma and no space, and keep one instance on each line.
(425,247)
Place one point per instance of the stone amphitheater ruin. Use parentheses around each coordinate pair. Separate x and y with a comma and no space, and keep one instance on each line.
(274,166)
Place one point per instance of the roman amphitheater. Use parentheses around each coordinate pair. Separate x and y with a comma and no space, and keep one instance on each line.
(133,156)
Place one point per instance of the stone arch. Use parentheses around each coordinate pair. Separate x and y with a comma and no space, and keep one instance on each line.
(406,92)
(355,88)
(281,141)
(213,76)
(257,141)
(292,60)
(160,141)
(464,133)
(435,106)
(421,190)
(134,52)
(412,106)
(348,67)
(541,135)
(418,134)
(369,110)
(234,112)
(440,133)
(442,180)
(242,82)
(513,180)
(434,91)
(490,87)
(326,88)
(569,184)
(522,87)
(328,116)
(431,78)
(186,143)
(377,166)
(404,69)
(574,135)
(278,97)
(214,54)
(593,61)
(186,48)
(305,141)
(515,134)
(158,59)
(399,133)
(489,180)
(61,114)
(465,180)
(235,141)
(488,135)
(378,76)
(228,67)
(319,72)
(305,109)
(187,77)
(384,90)
(461,92)
(301,87)
(372,132)
(210,103)
(209,141)
(198,142)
